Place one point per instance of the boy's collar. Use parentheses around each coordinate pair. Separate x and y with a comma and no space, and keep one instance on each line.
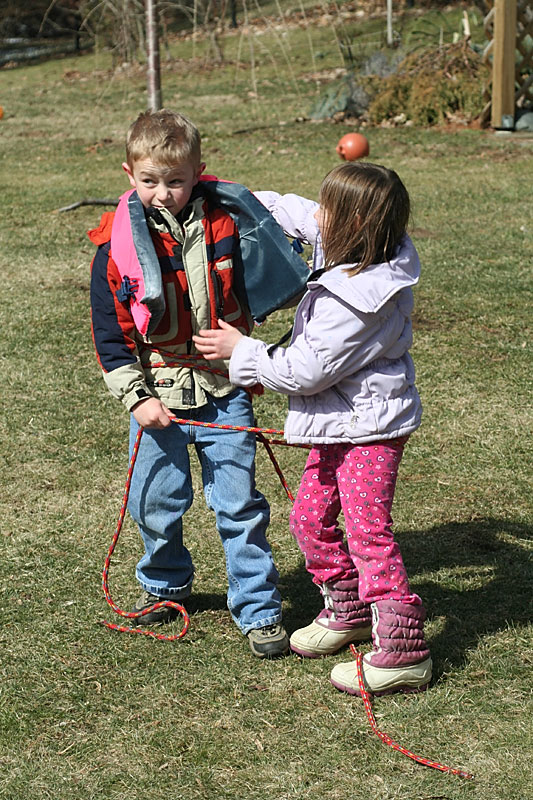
(163,221)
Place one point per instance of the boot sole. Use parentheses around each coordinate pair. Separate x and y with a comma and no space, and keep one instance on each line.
(394,690)
(309,654)
(306,654)
(270,655)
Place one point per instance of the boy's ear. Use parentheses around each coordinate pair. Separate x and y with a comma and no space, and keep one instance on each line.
(199,171)
(129,173)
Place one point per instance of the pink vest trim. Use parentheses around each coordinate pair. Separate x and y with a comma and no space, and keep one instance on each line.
(124,255)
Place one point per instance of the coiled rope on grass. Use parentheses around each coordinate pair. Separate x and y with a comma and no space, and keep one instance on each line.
(261,434)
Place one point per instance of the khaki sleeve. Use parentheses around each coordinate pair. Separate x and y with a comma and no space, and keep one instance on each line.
(128,384)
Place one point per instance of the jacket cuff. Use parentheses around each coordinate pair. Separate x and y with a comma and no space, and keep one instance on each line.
(243,365)
(132,398)
(295,214)
(127,384)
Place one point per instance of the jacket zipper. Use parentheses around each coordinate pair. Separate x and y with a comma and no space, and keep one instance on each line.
(219,297)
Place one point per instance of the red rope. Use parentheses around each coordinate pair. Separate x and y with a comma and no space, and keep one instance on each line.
(259,432)
(136,614)
(385,737)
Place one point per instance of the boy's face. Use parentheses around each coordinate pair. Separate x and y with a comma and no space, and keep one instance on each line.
(161,186)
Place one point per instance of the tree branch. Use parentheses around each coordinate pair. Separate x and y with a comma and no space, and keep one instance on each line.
(104,201)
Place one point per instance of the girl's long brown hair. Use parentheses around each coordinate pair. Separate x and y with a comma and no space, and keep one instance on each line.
(366,214)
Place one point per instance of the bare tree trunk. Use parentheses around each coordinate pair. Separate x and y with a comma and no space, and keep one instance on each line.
(233,12)
(389,23)
(153,72)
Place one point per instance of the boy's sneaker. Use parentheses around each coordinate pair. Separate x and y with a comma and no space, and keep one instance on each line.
(268,642)
(158,617)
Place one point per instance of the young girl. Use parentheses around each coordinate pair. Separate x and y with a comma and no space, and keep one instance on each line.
(350,382)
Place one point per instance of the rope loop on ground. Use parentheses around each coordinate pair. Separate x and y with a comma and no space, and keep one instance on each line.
(260,434)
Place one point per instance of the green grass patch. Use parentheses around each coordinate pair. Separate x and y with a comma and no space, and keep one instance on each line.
(86,713)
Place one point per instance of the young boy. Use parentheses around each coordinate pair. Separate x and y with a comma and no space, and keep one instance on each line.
(195,245)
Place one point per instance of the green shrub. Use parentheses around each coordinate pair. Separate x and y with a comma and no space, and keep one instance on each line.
(431,86)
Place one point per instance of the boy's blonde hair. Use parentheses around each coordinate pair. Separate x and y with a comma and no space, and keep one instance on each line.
(164,136)
(367,210)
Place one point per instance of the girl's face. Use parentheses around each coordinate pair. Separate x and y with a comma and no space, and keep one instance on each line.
(321,216)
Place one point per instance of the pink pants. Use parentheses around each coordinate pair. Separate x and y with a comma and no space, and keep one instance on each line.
(358,480)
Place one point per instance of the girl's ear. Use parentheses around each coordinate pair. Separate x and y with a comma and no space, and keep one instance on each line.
(129,173)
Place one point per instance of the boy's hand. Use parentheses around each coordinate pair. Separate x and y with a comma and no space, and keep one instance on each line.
(218,343)
(152,413)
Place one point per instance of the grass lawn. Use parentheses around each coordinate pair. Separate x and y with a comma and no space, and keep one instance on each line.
(86,713)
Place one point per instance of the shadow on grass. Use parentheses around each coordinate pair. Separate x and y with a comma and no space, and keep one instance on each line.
(203,601)
(474,576)
(480,582)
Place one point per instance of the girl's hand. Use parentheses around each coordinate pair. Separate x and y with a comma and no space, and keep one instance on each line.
(218,343)
(152,413)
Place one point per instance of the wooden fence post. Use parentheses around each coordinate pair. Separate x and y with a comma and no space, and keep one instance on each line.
(503,65)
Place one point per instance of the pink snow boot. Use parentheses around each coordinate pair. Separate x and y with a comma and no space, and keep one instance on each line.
(400,659)
(343,620)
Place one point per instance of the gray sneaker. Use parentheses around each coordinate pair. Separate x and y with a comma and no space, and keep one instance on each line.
(158,617)
(268,642)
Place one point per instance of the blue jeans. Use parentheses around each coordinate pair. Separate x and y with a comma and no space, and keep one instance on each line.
(161,492)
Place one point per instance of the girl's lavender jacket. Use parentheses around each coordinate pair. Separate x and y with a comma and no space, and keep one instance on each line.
(347,371)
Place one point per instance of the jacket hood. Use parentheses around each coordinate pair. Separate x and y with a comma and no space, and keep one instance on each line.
(369,290)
